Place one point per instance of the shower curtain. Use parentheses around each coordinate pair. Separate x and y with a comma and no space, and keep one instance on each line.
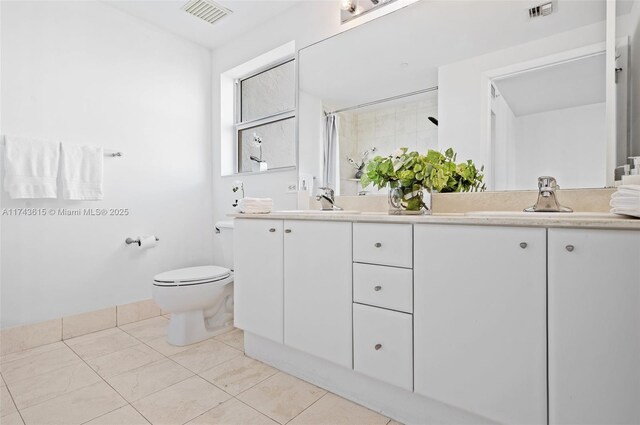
(331,149)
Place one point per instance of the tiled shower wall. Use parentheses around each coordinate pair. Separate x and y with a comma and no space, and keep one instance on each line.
(387,128)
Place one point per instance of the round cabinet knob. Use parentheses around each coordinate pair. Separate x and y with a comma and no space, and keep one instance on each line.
(377,288)
(378,346)
(377,244)
(523,245)
(570,248)
(287,230)
(272,230)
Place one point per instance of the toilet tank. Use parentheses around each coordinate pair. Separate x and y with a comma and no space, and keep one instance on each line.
(226,235)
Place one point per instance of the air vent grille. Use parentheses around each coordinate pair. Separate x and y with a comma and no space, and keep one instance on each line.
(541,10)
(206,10)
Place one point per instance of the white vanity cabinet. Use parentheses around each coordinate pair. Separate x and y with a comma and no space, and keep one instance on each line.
(258,277)
(293,284)
(318,289)
(594,326)
(480,320)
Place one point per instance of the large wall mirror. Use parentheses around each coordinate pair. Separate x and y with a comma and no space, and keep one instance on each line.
(522,95)
(627,86)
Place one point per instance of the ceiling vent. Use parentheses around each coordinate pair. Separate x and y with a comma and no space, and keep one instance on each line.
(206,10)
(541,10)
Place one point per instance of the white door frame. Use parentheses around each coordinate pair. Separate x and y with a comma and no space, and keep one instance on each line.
(518,68)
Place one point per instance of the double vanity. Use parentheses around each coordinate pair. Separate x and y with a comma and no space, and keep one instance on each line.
(453,318)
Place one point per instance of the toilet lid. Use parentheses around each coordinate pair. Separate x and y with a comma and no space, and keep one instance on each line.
(192,275)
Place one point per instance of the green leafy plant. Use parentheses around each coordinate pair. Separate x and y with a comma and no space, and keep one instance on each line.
(413,172)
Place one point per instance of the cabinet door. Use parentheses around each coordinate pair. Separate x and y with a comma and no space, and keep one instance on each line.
(594,326)
(382,345)
(318,289)
(480,320)
(258,282)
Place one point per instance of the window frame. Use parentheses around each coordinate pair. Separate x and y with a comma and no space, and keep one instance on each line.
(240,126)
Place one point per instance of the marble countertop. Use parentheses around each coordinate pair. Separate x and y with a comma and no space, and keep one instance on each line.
(497,218)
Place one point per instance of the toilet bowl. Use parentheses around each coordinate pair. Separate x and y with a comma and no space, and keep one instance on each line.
(200,299)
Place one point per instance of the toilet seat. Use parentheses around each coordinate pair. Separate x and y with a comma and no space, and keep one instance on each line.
(190,276)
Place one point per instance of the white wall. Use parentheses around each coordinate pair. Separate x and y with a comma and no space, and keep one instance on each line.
(83,72)
(461,93)
(568,144)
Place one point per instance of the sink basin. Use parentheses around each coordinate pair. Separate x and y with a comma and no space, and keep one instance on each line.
(522,214)
(320,212)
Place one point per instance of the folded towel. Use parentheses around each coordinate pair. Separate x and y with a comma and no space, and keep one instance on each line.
(82,172)
(625,202)
(255,205)
(632,212)
(627,191)
(31,167)
(633,188)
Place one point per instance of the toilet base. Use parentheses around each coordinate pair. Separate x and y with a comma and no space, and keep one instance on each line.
(190,327)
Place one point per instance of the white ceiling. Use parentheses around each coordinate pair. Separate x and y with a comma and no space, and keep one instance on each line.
(364,64)
(566,85)
(167,14)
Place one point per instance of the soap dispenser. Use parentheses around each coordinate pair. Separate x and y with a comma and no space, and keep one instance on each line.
(634,174)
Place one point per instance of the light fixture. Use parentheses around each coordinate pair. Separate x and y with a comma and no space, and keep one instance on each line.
(351,9)
(348,5)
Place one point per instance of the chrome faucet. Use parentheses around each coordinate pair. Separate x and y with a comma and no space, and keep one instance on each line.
(327,199)
(547,198)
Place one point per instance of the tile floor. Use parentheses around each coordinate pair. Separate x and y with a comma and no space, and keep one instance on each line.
(129,375)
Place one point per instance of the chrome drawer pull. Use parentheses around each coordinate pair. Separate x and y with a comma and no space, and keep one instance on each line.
(377,288)
(523,245)
(272,230)
(378,346)
(377,245)
(570,248)
(287,230)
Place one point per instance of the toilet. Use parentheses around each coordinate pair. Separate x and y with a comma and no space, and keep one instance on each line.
(200,299)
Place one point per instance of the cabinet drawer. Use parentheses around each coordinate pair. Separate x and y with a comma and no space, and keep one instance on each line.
(382,345)
(386,244)
(382,286)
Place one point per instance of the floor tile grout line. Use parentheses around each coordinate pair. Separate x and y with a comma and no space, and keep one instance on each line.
(14,402)
(245,390)
(110,386)
(128,371)
(175,383)
(104,414)
(143,416)
(51,371)
(116,391)
(305,409)
(82,361)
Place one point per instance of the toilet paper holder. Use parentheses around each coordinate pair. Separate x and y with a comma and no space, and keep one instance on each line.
(129,241)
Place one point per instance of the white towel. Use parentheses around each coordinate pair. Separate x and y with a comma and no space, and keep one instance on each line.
(82,172)
(632,212)
(31,167)
(626,200)
(628,190)
(255,205)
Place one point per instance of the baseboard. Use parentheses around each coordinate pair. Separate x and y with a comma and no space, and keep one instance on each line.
(30,336)
(394,402)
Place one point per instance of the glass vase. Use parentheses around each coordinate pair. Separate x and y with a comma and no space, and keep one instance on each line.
(409,200)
